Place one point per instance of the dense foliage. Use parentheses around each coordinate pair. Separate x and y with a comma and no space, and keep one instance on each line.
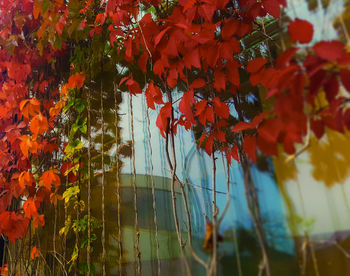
(195,48)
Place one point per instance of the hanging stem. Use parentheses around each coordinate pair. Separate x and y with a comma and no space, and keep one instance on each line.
(194,254)
(88,255)
(54,233)
(254,211)
(172,166)
(213,264)
(137,231)
(118,182)
(252,198)
(153,193)
(228,201)
(306,235)
(103,235)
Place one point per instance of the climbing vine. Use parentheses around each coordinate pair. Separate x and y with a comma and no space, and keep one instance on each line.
(196,49)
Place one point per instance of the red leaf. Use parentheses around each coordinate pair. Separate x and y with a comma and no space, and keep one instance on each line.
(209,114)
(200,107)
(331,87)
(219,81)
(35,253)
(242,126)
(255,65)
(198,83)
(249,146)
(163,118)
(142,62)
(272,7)
(233,153)
(60,24)
(192,58)
(219,135)
(221,108)
(13,226)
(317,127)
(204,112)
(229,29)
(18,72)
(66,170)
(172,77)
(329,50)
(160,36)
(268,133)
(186,106)
(128,50)
(284,58)
(258,118)
(153,95)
(209,142)
(345,78)
(270,129)
(300,31)
(133,86)
(233,75)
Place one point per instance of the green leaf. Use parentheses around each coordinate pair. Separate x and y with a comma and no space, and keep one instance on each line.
(79,124)
(72,148)
(80,105)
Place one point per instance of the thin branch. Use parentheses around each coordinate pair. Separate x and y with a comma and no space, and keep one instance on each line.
(172,165)
(103,234)
(228,200)
(118,182)
(214,262)
(137,231)
(88,255)
(304,147)
(153,192)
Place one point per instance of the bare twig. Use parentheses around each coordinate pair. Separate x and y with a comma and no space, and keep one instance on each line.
(118,183)
(172,165)
(153,192)
(88,255)
(137,231)
(103,234)
(304,147)
(214,261)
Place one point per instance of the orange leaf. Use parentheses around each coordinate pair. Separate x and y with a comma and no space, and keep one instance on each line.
(35,253)
(28,145)
(208,238)
(26,179)
(30,209)
(54,111)
(38,220)
(38,125)
(49,178)
(76,81)
(29,107)
(54,197)
(4,270)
